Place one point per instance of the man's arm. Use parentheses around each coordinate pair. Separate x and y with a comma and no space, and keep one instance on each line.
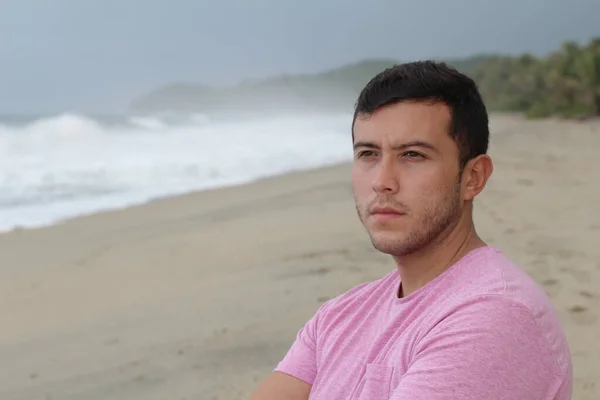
(492,350)
(280,386)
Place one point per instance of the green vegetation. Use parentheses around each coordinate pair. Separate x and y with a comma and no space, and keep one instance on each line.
(564,83)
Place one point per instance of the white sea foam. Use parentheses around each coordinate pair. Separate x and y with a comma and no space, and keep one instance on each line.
(70,165)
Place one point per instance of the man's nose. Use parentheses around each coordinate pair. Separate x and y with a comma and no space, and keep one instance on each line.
(385,179)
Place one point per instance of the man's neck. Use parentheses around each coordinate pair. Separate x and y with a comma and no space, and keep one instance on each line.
(419,268)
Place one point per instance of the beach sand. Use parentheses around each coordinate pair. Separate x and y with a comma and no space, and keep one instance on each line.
(199,296)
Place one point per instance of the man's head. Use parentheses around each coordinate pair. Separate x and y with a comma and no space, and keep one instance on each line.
(420,134)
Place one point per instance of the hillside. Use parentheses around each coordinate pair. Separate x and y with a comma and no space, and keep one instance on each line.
(328,90)
(564,83)
(331,90)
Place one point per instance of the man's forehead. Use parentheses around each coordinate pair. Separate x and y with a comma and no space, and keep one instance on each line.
(401,133)
(404,122)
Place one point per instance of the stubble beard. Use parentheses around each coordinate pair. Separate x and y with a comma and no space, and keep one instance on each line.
(437,220)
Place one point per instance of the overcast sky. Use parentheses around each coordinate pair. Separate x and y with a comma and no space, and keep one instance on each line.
(96,55)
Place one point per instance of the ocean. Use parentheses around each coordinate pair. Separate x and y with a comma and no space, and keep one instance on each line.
(59,167)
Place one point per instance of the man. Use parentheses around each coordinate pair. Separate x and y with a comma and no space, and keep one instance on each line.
(457,319)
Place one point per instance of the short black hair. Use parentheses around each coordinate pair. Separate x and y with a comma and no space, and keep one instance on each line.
(436,82)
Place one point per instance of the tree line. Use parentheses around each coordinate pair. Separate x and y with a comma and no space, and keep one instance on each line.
(564,83)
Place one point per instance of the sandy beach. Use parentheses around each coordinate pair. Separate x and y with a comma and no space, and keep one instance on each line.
(199,296)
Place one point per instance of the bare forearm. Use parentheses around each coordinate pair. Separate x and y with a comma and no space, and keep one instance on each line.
(279,386)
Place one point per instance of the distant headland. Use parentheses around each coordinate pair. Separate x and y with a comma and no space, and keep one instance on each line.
(564,83)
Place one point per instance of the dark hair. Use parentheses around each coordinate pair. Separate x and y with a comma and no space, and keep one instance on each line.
(437,82)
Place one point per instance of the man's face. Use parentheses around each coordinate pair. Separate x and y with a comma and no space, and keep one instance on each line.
(406,176)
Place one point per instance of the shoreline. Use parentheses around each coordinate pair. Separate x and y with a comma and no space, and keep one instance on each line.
(167,197)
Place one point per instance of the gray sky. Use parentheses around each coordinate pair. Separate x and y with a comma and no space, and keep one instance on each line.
(96,55)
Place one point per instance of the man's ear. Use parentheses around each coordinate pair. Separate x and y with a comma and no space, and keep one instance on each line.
(475,176)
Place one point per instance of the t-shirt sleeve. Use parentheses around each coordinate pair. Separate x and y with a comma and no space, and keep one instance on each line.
(301,359)
(490,349)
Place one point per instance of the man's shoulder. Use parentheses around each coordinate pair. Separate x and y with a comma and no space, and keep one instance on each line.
(489,272)
(491,277)
(495,289)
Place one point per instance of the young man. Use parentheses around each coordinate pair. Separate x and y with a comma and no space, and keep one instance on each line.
(457,319)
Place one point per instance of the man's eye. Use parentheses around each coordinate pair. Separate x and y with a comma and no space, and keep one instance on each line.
(412,154)
(366,153)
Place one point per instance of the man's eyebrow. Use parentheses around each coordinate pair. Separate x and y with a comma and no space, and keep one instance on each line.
(403,146)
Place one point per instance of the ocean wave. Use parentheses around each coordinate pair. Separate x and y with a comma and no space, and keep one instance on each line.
(69,165)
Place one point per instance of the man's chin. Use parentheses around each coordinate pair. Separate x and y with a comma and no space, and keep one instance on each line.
(389,243)
(392,227)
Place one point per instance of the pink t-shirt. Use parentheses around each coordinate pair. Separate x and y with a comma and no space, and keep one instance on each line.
(483,330)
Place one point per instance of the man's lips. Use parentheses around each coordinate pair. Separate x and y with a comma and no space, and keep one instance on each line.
(386,213)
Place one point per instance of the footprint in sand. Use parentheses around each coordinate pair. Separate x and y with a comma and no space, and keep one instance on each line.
(551,286)
(579,276)
(564,254)
(577,309)
(581,315)
(549,282)
(586,294)
(525,182)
